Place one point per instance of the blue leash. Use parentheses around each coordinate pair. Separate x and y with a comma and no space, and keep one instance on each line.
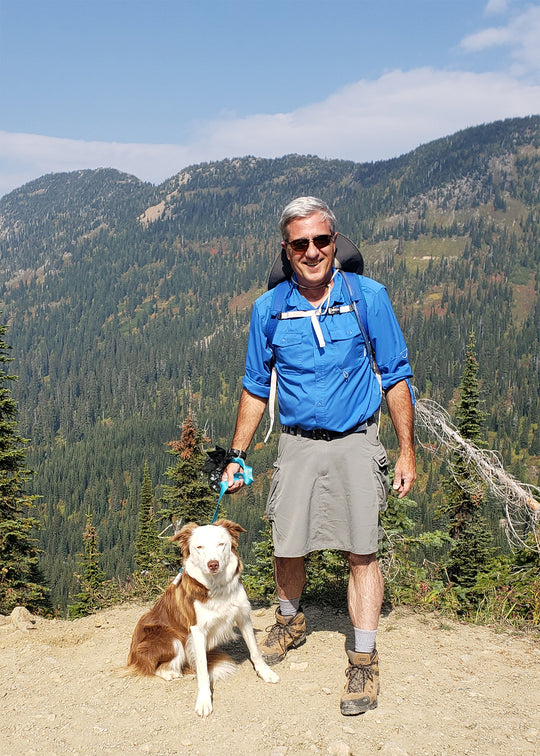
(246,475)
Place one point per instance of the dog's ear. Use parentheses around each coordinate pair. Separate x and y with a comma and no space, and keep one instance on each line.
(184,536)
(233,528)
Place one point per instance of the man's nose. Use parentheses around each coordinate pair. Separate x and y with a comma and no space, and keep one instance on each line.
(312,250)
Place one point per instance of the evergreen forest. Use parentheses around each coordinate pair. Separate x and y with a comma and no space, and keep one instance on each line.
(127,307)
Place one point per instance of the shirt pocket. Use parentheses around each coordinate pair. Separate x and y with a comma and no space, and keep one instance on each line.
(343,326)
(347,340)
(285,336)
(289,347)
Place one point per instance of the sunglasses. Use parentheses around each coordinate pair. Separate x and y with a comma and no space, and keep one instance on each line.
(301,245)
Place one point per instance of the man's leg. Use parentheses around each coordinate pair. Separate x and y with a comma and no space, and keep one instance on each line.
(290,575)
(365,595)
(289,630)
(365,591)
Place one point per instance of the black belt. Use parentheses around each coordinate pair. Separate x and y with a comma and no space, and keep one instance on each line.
(322,434)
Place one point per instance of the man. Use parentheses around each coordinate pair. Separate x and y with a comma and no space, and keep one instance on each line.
(330,478)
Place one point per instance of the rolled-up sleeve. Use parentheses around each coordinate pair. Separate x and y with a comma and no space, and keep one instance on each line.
(256,379)
(391,353)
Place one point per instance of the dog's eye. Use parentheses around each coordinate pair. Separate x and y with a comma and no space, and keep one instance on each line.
(199,547)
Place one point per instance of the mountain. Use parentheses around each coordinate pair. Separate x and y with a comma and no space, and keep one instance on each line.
(128,306)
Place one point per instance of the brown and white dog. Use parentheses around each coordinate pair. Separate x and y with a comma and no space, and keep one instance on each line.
(198,612)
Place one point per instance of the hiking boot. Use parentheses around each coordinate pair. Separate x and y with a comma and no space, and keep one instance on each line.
(362,686)
(286,633)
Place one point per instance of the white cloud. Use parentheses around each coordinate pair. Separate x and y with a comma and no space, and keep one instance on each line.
(32,155)
(521,35)
(487,38)
(494,7)
(367,120)
(371,120)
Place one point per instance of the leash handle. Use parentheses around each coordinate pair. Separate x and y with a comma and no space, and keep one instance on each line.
(246,475)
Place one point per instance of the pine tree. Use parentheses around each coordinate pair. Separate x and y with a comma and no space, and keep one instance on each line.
(92,579)
(21,582)
(469,417)
(147,545)
(471,547)
(259,576)
(189,498)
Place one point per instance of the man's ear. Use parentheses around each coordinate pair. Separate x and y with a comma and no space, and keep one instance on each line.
(284,247)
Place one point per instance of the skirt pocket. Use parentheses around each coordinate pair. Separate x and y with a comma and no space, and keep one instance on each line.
(380,470)
(270,502)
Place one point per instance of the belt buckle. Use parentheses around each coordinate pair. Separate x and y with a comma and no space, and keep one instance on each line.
(321,434)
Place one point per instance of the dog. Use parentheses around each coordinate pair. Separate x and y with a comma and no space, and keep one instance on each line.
(197,612)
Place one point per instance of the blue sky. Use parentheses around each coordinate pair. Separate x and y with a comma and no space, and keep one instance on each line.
(152,87)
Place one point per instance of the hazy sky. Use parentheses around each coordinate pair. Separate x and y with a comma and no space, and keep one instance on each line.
(152,87)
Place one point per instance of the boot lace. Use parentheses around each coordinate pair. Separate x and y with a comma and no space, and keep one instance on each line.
(359,675)
(279,634)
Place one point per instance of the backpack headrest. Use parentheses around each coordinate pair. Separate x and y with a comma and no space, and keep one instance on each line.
(348,258)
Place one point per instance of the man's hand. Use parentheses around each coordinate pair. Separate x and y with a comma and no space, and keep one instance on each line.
(404,474)
(228,475)
(250,411)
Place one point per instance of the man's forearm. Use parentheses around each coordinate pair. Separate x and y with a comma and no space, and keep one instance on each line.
(250,411)
(401,409)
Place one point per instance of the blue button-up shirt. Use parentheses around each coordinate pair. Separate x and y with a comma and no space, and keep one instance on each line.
(333,386)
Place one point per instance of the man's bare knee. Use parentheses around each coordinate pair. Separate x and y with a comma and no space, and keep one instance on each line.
(361,560)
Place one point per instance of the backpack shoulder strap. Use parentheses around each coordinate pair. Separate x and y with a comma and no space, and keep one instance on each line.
(276,306)
(353,283)
(357,295)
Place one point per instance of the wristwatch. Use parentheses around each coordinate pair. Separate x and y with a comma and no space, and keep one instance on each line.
(240,453)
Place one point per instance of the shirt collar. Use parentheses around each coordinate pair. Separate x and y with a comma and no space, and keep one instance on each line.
(296,301)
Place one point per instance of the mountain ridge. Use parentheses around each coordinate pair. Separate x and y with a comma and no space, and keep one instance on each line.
(111,317)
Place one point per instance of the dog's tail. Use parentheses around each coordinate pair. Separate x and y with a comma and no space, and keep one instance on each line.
(128,670)
(220,665)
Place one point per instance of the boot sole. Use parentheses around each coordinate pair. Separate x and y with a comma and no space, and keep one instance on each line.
(352,708)
(276,658)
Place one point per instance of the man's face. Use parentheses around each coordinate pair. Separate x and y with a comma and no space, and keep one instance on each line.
(314,266)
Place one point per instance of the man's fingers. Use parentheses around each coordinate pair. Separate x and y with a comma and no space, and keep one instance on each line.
(228,475)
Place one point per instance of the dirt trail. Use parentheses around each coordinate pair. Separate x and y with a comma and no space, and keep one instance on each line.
(446,688)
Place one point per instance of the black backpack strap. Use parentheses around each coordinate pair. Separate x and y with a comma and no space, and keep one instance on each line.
(358,300)
(278,301)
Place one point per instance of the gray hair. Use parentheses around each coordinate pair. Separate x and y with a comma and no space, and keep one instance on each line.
(303,207)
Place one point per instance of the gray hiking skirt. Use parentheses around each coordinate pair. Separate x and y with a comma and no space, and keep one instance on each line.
(328,494)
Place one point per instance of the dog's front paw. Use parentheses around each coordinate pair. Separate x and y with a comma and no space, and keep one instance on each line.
(267,674)
(203,707)
(168,674)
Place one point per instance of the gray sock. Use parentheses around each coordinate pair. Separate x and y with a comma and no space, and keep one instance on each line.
(364,640)
(288,608)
